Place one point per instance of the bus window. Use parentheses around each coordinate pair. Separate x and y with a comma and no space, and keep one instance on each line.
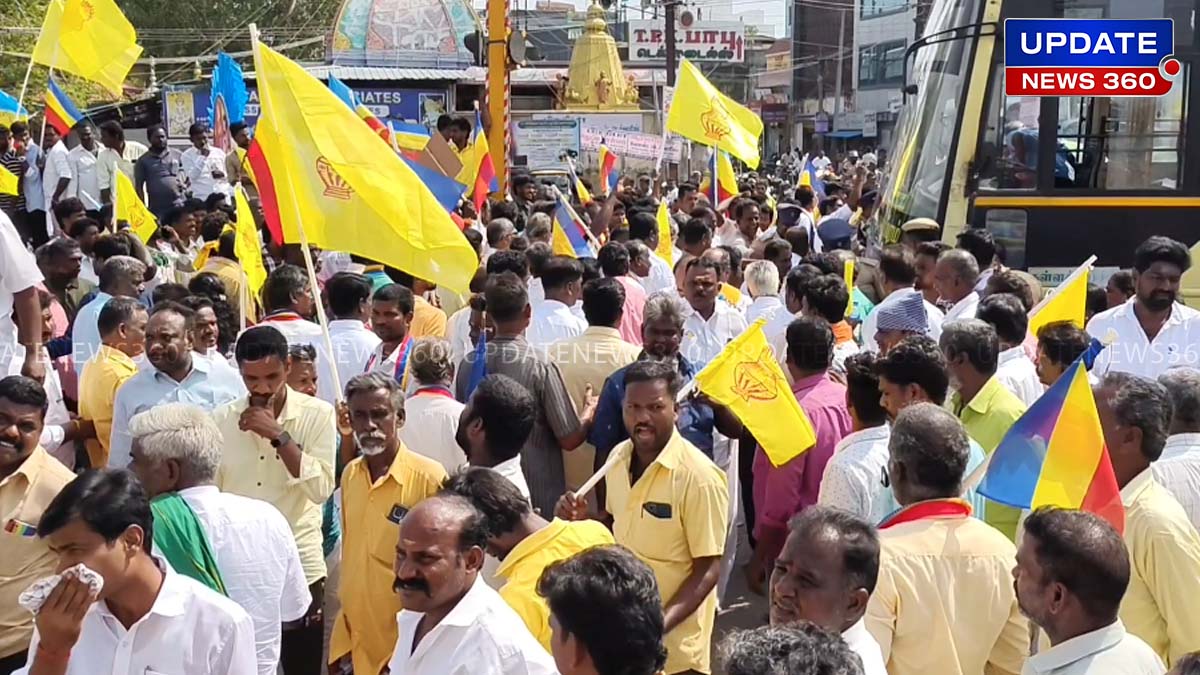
(1124,143)
(1010,140)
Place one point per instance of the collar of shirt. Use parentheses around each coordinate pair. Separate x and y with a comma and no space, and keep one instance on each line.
(509,467)
(669,457)
(928,510)
(348,325)
(1077,648)
(686,370)
(550,306)
(1125,313)
(870,435)
(465,613)
(982,401)
(30,468)
(200,365)
(1133,489)
(1179,445)
(529,545)
(1012,354)
(806,384)
(171,600)
(961,306)
(981,283)
(115,356)
(290,410)
(602,334)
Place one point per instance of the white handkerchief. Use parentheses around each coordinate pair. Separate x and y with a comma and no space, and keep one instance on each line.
(35,596)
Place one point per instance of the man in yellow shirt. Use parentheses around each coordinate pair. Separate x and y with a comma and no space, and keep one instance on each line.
(29,479)
(1160,605)
(378,489)
(122,325)
(944,601)
(986,407)
(279,447)
(669,505)
(524,542)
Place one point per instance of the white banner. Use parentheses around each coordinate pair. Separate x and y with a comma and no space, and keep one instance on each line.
(702,42)
(631,144)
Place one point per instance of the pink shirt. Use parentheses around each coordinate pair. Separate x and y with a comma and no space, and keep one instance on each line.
(782,492)
(630,327)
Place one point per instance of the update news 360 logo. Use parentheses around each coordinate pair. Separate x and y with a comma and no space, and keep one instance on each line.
(1089,57)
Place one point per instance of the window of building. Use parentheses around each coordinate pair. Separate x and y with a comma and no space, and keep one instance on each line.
(881,64)
(877,7)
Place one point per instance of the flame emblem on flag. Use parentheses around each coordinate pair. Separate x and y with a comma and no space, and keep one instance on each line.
(76,14)
(335,186)
(753,381)
(715,120)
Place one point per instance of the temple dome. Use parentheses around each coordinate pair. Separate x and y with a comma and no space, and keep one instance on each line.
(409,33)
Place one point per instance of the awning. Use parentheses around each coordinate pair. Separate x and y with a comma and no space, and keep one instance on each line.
(843,134)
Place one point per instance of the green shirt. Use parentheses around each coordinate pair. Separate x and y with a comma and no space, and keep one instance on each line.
(987,418)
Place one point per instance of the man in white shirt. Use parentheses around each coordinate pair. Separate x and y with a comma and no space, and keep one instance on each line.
(177,450)
(117,154)
(1014,369)
(146,619)
(954,277)
(1152,331)
(495,424)
(825,574)
(453,623)
(19,278)
(203,165)
(56,176)
(553,320)
(85,182)
(644,228)
(898,272)
(1178,468)
(353,343)
(851,481)
(711,324)
(288,301)
(762,281)
(431,413)
(795,284)
(820,162)
(1071,574)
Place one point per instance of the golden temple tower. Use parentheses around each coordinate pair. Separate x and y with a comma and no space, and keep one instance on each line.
(595,79)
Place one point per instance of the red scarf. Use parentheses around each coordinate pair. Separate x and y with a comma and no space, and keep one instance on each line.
(927,510)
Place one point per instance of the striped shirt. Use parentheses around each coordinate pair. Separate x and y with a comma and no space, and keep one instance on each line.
(16,166)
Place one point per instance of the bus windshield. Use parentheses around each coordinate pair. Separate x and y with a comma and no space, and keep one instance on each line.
(924,136)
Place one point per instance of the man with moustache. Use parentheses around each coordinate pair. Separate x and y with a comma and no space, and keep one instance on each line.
(279,447)
(178,375)
(1153,332)
(453,624)
(825,575)
(378,489)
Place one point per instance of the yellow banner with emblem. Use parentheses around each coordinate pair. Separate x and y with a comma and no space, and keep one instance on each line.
(746,378)
(702,113)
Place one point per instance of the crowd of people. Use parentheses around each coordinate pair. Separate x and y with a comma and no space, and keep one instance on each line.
(224,485)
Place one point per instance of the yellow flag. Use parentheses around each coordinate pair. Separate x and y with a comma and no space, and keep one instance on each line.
(665,244)
(88,38)
(131,209)
(848,274)
(746,377)
(1069,303)
(707,116)
(1190,286)
(246,246)
(330,175)
(8,182)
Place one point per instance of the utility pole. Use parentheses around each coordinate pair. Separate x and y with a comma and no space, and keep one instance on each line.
(498,88)
(672,56)
(837,102)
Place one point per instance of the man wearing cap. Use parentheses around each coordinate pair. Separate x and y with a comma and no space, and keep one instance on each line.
(901,315)
(898,272)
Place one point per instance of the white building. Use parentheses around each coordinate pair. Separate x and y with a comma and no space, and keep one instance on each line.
(883,30)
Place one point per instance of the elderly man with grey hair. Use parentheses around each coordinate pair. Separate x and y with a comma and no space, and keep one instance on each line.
(539,228)
(1178,469)
(121,276)
(954,277)
(662,332)
(794,649)
(431,412)
(944,577)
(244,545)
(1164,548)
(762,281)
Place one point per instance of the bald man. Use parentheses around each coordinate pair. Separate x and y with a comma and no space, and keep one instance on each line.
(452,621)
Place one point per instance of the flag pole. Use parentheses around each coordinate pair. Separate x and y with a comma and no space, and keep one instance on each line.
(25,85)
(304,248)
(1085,267)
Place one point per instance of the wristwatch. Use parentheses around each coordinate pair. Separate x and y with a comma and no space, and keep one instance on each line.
(281,440)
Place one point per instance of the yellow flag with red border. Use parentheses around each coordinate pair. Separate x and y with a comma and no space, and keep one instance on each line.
(747,379)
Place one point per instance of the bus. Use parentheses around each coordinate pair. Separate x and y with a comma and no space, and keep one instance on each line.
(1055,179)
